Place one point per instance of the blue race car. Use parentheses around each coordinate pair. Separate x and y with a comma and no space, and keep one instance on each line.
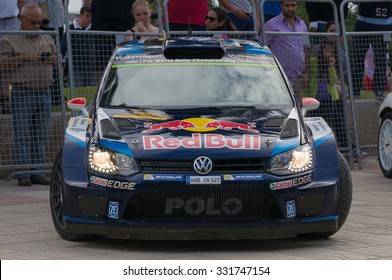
(197,138)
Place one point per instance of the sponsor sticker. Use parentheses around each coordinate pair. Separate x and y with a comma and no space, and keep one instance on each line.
(243,177)
(203,206)
(77,124)
(199,141)
(291,183)
(290,206)
(162,177)
(203,180)
(113,209)
(112,184)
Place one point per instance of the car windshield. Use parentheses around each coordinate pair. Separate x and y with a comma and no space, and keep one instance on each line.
(194,85)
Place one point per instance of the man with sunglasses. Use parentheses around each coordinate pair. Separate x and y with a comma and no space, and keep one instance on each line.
(27,60)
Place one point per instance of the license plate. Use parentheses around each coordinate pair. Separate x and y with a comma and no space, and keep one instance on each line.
(203,180)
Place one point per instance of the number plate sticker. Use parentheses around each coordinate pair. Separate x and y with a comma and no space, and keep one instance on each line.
(203,180)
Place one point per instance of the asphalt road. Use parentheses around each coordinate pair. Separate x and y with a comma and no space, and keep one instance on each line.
(27,233)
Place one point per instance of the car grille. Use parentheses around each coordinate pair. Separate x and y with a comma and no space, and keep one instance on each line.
(219,165)
(226,204)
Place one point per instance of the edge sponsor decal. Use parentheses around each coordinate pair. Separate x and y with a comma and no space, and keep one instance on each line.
(198,141)
(162,177)
(112,184)
(291,183)
(243,177)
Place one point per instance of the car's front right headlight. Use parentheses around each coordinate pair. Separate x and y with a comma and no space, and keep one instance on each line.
(293,161)
(106,161)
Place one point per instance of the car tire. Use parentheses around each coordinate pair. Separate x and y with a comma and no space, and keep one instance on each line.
(56,198)
(345,193)
(385,145)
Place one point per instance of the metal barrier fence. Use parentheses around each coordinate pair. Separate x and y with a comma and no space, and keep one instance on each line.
(315,64)
(369,77)
(327,75)
(32,122)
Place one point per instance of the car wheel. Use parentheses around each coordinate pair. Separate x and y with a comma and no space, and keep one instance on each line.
(57,201)
(345,193)
(385,145)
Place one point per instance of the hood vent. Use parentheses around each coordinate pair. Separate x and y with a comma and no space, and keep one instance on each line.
(290,129)
(108,130)
(124,124)
(275,123)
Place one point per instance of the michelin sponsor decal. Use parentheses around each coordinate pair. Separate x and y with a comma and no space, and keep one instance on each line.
(112,184)
(243,177)
(162,177)
(291,183)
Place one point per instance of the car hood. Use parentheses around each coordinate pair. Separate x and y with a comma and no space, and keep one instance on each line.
(215,132)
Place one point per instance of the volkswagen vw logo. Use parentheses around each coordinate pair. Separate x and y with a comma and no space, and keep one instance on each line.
(202,165)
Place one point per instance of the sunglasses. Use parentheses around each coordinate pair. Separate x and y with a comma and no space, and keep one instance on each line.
(211,19)
(34,22)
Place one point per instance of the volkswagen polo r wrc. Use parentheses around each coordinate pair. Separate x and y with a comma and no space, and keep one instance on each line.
(197,138)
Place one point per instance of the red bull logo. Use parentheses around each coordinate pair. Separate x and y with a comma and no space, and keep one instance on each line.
(198,141)
(172,125)
(200,125)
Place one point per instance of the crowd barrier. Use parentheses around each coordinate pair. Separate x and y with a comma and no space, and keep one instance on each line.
(352,116)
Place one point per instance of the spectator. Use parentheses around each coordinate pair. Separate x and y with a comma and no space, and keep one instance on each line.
(241,13)
(372,16)
(81,50)
(185,14)
(331,28)
(217,20)
(53,9)
(321,13)
(141,11)
(28,60)
(271,9)
(323,79)
(289,50)
(114,15)
(9,11)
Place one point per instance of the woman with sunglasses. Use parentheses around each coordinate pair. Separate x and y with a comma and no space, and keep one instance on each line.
(217,20)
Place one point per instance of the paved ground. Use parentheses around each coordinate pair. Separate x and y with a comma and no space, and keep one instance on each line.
(26,232)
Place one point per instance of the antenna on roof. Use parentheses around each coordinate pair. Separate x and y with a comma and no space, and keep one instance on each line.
(189,27)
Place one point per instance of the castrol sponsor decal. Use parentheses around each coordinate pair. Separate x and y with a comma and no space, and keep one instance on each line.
(291,183)
(198,141)
(112,184)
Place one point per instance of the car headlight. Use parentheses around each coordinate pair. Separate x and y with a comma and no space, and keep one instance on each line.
(109,162)
(294,161)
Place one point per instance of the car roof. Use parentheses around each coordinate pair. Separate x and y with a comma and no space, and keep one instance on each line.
(231,47)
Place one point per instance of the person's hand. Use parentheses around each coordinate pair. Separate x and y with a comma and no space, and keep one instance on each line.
(331,61)
(240,13)
(139,27)
(29,57)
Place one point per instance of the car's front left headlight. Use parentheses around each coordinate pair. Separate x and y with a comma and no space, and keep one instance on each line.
(110,162)
(293,161)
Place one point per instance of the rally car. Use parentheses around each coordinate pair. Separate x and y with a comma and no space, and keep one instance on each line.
(385,137)
(197,138)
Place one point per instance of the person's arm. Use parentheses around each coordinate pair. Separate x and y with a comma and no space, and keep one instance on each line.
(333,79)
(257,12)
(236,11)
(21,3)
(311,91)
(14,60)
